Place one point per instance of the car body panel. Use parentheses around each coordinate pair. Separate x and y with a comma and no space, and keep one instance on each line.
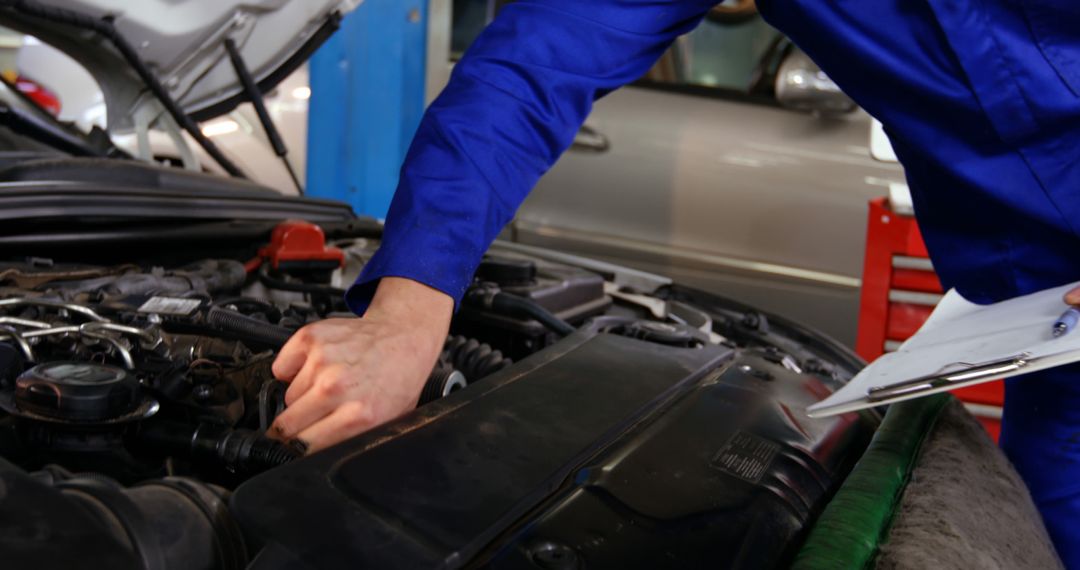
(730,195)
(238,133)
(184,43)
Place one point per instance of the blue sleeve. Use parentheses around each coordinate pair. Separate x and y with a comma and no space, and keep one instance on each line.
(513,105)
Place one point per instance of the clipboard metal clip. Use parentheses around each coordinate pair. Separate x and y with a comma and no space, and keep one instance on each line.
(970,373)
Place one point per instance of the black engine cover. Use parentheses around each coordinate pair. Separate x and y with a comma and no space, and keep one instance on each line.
(601,452)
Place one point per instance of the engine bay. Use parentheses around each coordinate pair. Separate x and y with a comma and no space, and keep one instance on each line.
(132,387)
(140,372)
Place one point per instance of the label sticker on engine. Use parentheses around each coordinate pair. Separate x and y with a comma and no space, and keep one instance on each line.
(746,456)
(170,306)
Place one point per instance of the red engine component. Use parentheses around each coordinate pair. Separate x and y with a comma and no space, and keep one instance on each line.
(296,244)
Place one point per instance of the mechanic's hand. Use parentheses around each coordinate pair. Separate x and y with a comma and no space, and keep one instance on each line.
(1073,297)
(349,375)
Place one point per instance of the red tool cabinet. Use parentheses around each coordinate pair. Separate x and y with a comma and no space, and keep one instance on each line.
(899,291)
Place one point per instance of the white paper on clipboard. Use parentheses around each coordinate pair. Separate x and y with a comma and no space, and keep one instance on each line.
(961,335)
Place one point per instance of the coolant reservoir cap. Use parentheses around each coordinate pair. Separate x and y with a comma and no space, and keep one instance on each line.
(77,391)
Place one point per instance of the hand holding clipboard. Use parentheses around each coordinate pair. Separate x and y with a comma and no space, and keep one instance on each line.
(962,344)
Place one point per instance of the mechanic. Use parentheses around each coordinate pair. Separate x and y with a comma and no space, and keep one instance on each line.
(981,99)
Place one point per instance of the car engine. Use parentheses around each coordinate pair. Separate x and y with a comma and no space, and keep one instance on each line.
(126,386)
(142,393)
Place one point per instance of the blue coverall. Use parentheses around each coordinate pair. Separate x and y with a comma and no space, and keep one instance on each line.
(981,99)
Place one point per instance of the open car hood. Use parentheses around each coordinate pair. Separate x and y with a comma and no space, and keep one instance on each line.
(183,42)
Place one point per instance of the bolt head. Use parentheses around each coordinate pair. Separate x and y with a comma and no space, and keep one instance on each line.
(553,556)
(203,392)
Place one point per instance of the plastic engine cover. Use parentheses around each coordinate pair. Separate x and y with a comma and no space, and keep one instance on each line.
(601,452)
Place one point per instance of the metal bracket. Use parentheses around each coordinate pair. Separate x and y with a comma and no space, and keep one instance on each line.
(968,374)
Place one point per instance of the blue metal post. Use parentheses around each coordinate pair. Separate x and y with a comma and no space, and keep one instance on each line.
(367,97)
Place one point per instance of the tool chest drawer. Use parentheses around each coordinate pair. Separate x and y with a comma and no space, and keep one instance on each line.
(899,291)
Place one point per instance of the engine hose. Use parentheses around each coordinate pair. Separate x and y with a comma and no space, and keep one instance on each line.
(235,450)
(515,306)
(166,523)
(473,358)
(443,381)
(248,329)
(462,361)
(250,452)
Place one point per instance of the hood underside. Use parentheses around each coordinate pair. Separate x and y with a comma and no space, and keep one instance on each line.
(182,42)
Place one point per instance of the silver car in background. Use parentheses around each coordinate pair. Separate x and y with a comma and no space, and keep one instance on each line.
(735,166)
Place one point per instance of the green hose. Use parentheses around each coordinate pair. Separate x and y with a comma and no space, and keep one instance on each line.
(849,531)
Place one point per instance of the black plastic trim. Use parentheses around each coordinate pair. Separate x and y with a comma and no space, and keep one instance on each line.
(47,200)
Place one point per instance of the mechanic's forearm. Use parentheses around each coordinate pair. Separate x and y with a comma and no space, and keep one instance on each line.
(409,301)
(513,105)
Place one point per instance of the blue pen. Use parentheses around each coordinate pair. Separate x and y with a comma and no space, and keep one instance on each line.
(1066,322)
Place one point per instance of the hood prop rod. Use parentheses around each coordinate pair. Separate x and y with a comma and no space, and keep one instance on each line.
(255,95)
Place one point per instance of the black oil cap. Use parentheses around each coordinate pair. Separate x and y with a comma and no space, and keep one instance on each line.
(77,391)
(506,271)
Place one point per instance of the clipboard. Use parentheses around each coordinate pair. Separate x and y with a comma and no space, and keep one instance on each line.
(963,344)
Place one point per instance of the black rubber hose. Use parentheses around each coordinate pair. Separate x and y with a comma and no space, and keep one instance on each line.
(463,361)
(248,329)
(165,524)
(443,380)
(236,450)
(513,305)
(473,358)
(246,451)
